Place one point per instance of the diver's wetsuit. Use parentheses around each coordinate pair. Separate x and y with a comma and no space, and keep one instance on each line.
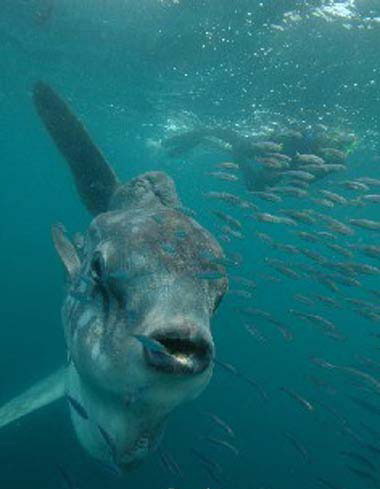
(244,153)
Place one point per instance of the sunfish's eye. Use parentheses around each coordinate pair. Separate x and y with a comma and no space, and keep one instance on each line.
(98,274)
(98,267)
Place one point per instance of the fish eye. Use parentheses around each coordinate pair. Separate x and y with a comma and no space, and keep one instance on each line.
(97,269)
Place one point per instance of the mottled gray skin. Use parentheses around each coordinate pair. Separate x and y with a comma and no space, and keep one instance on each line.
(139,273)
(142,286)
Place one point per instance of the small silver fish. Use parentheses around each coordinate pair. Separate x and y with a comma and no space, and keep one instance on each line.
(308,236)
(301,174)
(303,299)
(227,165)
(270,218)
(304,216)
(290,191)
(231,221)
(334,197)
(301,400)
(355,185)
(267,147)
(77,407)
(310,159)
(366,224)
(372,182)
(222,443)
(268,196)
(150,343)
(339,249)
(324,203)
(227,177)
(372,198)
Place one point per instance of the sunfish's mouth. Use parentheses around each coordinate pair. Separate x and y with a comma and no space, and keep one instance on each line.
(181,355)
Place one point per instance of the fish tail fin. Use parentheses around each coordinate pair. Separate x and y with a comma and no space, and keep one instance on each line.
(40,394)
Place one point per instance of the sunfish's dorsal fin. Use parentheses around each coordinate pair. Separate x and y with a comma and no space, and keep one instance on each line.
(37,396)
(94,178)
(148,190)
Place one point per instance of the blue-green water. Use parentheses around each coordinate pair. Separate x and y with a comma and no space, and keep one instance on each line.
(136,73)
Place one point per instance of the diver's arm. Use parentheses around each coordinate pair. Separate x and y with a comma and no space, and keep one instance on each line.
(181,144)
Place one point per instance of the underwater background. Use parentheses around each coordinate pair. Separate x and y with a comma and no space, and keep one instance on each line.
(137,72)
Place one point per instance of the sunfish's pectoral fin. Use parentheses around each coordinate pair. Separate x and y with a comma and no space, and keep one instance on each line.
(94,178)
(66,250)
(36,397)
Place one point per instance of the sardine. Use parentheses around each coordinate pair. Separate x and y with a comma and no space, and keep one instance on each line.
(231,199)
(227,165)
(356,457)
(372,198)
(290,191)
(373,251)
(355,185)
(109,442)
(333,168)
(78,408)
(272,163)
(245,294)
(270,218)
(302,401)
(287,248)
(362,474)
(369,379)
(233,370)
(265,238)
(308,236)
(231,221)
(267,147)
(232,232)
(339,249)
(150,344)
(298,446)
(221,423)
(324,203)
(303,299)
(302,175)
(329,301)
(335,225)
(334,155)
(366,224)
(334,197)
(303,216)
(254,332)
(320,321)
(328,484)
(370,408)
(310,159)
(245,282)
(372,182)
(228,177)
(268,196)
(222,443)
(313,255)
(66,478)
(170,464)
(206,460)
(283,268)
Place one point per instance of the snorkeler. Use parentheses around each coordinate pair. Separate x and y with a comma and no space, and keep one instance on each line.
(264,163)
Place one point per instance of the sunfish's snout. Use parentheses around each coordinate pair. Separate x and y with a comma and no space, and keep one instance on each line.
(178,352)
